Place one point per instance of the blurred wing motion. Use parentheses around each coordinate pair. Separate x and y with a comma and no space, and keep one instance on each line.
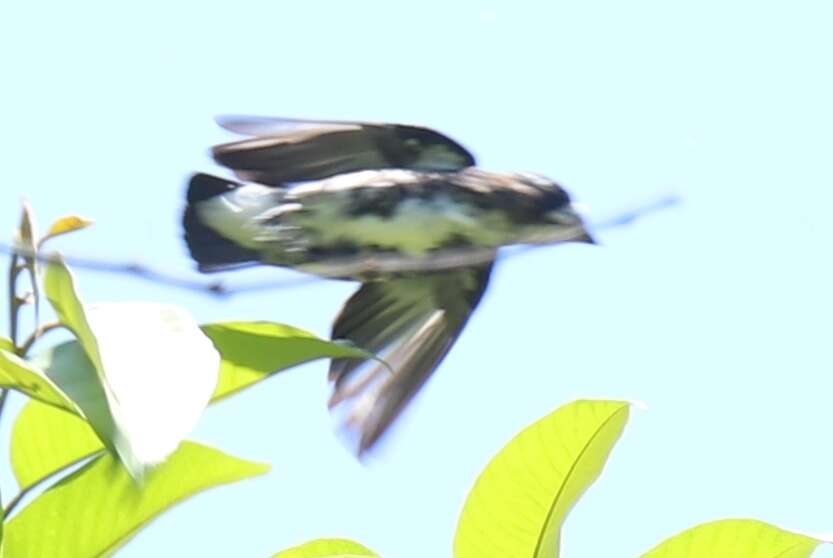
(411,322)
(272,125)
(285,150)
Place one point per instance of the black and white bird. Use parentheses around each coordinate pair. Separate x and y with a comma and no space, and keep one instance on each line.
(400,209)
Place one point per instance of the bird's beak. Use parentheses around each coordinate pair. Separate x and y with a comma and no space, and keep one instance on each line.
(585,238)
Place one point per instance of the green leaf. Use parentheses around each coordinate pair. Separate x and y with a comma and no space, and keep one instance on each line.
(46,439)
(252,351)
(25,377)
(147,374)
(161,370)
(520,500)
(6,344)
(62,295)
(69,367)
(733,538)
(65,225)
(327,548)
(95,510)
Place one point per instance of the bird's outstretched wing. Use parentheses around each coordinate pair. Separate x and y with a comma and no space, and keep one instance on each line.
(275,125)
(412,323)
(283,150)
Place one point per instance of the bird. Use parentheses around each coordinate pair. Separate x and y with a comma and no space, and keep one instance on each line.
(421,238)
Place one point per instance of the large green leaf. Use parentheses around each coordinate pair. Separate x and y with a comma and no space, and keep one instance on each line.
(252,351)
(26,377)
(154,371)
(46,439)
(95,510)
(161,370)
(735,538)
(520,500)
(328,548)
(70,368)
(60,290)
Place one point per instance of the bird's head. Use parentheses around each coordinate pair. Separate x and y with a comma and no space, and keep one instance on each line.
(555,218)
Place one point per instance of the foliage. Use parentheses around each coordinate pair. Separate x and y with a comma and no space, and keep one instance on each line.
(109,410)
(116,403)
(327,548)
(526,491)
(520,500)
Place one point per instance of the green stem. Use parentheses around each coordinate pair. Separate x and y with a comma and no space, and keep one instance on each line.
(14,308)
(14,303)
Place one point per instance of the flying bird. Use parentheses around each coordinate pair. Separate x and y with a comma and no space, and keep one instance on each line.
(421,238)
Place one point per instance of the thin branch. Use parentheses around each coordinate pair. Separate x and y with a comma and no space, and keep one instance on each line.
(4,394)
(37,334)
(140,271)
(14,309)
(221,289)
(632,215)
(22,494)
(14,302)
(124,268)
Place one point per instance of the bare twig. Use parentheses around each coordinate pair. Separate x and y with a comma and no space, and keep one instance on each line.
(37,334)
(220,289)
(4,393)
(125,268)
(14,301)
(628,217)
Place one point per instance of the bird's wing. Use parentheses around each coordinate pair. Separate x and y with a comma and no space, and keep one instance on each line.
(300,154)
(291,150)
(412,323)
(275,125)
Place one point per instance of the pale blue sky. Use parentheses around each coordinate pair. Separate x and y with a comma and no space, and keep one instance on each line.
(717,313)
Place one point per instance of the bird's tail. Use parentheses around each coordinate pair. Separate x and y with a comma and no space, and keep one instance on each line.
(211,250)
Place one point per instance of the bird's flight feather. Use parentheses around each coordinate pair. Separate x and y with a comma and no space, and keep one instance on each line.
(412,322)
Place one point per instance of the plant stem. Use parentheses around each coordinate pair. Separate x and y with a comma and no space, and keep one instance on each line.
(14,308)
(3,394)
(37,334)
(14,304)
